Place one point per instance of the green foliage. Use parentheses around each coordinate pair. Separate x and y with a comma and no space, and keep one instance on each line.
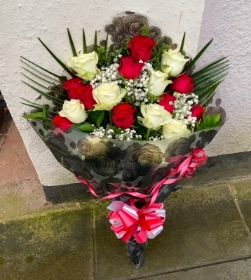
(208,122)
(57,59)
(84,43)
(86,127)
(157,55)
(40,68)
(40,114)
(208,78)
(182,42)
(96,117)
(47,95)
(144,30)
(95,45)
(193,61)
(74,53)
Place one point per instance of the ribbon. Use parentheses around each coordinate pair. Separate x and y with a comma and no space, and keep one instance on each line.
(186,169)
(127,220)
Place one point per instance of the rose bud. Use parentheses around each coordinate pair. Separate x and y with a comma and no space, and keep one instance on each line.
(182,84)
(122,115)
(83,92)
(128,68)
(140,47)
(197,111)
(165,101)
(61,122)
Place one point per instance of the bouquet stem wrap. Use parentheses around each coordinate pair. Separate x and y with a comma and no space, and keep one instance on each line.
(186,168)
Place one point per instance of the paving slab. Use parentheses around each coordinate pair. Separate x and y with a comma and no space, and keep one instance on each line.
(239,270)
(52,246)
(203,225)
(15,164)
(242,192)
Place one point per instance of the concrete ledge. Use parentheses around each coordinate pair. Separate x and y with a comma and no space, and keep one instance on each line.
(218,170)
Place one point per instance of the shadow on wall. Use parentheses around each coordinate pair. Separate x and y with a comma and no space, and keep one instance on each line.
(5,119)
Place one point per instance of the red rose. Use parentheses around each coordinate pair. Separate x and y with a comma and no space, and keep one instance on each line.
(61,122)
(128,68)
(182,84)
(140,47)
(165,101)
(197,111)
(77,90)
(122,115)
(73,83)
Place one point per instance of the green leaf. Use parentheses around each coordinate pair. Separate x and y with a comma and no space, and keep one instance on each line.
(100,118)
(48,96)
(32,103)
(88,127)
(49,82)
(32,106)
(208,78)
(144,30)
(106,42)
(58,60)
(208,122)
(192,62)
(211,65)
(39,67)
(37,115)
(84,43)
(208,95)
(95,45)
(51,90)
(215,118)
(182,42)
(44,111)
(74,53)
(96,117)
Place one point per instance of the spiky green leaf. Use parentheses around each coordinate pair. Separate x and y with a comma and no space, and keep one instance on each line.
(58,60)
(48,96)
(193,61)
(95,45)
(74,53)
(182,42)
(84,43)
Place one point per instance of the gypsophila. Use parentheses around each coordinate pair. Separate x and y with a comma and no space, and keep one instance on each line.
(182,106)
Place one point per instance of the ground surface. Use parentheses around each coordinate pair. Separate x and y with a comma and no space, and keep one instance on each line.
(206,233)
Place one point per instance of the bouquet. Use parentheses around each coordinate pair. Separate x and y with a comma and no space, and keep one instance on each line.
(129,119)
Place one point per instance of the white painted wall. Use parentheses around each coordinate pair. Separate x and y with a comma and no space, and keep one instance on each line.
(229,23)
(24,20)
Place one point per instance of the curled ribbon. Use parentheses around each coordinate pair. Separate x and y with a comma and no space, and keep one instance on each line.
(127,220)
(186,169)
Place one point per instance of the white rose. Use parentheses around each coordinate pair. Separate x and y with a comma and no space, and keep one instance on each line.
(158,82)
(74,111)
(85,65)
(107,96)
(154,116)
(175,128)
(172,62)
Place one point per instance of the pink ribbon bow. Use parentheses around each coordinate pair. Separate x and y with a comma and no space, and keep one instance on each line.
(127,220)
